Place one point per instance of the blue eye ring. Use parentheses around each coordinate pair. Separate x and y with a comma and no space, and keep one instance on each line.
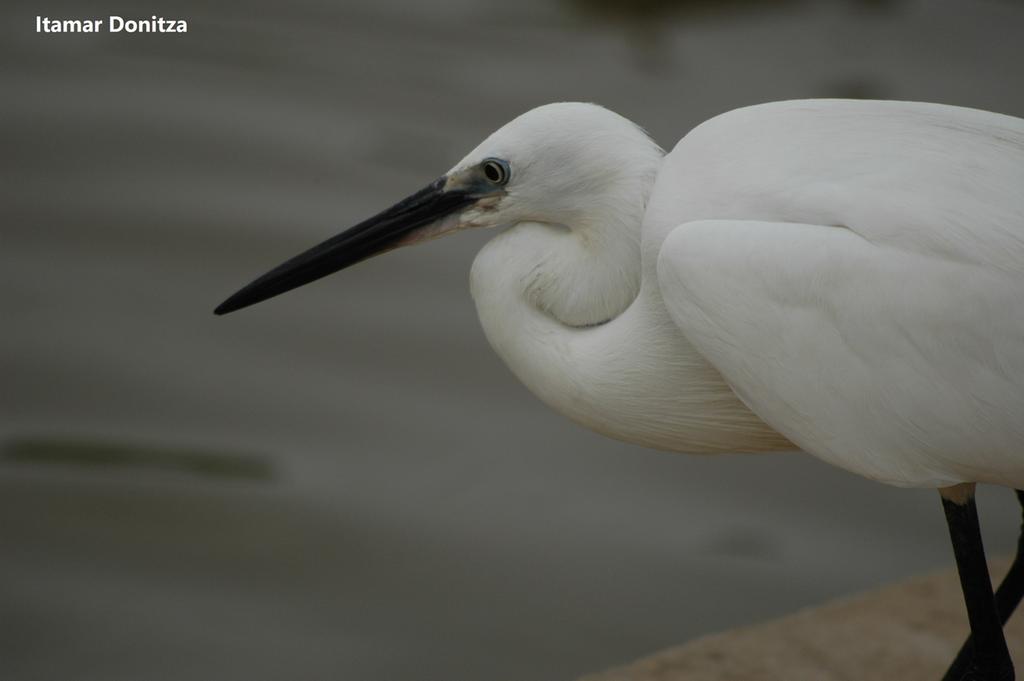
(496,171)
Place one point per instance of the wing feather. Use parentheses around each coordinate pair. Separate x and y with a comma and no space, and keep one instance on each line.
(905,367)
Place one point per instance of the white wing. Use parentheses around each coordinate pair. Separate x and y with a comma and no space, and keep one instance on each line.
(885,336)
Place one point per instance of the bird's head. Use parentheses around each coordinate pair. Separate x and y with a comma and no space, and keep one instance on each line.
(571,166)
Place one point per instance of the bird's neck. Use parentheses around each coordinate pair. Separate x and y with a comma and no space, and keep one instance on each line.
(595,343)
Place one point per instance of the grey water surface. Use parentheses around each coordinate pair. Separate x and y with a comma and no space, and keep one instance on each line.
(345,482)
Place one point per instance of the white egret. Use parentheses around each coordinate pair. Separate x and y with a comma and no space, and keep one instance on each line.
(841,276)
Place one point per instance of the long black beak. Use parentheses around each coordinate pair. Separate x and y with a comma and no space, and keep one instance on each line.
(368,238)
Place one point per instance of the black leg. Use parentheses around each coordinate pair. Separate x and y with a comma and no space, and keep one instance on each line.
(1008,597)
(990,660)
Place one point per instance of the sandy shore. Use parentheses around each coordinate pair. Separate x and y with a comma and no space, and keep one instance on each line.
(908,631)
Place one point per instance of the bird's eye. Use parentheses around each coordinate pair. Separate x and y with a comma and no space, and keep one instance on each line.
(496,171)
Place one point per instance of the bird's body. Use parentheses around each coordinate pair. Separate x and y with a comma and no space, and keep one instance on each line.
(854,270)
(844,277)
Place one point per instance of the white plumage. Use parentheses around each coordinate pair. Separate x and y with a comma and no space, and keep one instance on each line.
(854,270)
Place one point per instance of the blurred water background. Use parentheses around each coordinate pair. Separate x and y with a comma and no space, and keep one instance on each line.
(345,482)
